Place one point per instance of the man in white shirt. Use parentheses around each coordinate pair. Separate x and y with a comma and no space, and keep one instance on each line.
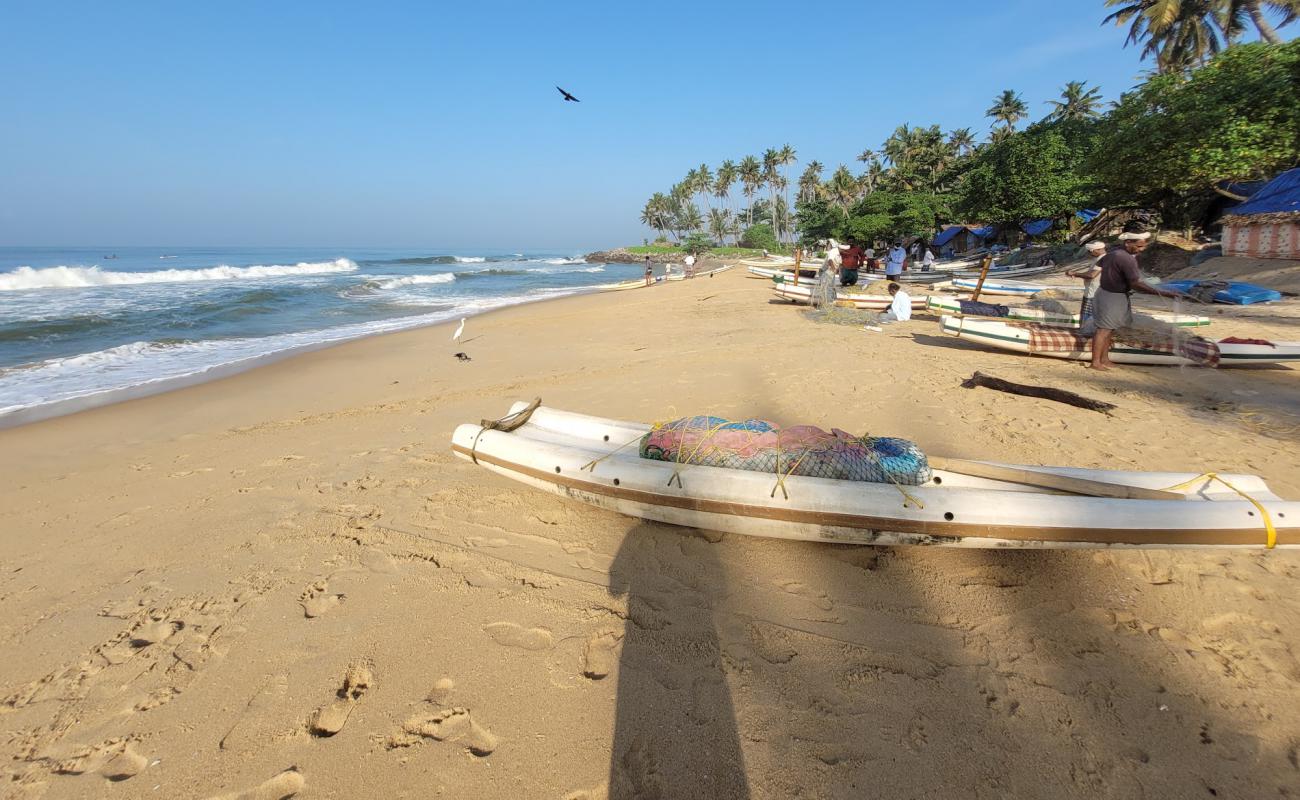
(894,261)
(900,309)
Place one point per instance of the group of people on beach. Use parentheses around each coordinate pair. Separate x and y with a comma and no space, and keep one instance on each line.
(853,257)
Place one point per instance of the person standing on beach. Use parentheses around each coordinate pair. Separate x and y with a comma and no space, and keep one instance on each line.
(851,262)
(894,261)
(1113,305)
(689,261)
(1089,273)
(649,271)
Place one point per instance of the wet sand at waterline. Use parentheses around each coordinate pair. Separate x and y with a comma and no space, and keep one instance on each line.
(283,582)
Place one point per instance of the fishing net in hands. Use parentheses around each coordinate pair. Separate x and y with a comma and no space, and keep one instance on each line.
(757,445)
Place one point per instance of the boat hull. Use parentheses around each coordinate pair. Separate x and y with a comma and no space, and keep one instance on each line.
(594,460)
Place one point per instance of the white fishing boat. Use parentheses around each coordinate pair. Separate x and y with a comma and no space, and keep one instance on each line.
(1011,271)
(1010,288)
(1018,338)
(964,504)
(682,275)
(768,273)
(869,302)
(946,304)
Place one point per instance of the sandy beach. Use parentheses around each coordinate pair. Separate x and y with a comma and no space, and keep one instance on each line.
(283,583)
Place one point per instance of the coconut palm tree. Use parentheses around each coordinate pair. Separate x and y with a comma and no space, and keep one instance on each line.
(1008,109)
(702,183)
(870,180)
(658,213)
(785,156)
(1076,103)
(842,188)
(1234,15)
(810,182)
(962,142)
(720,224)
(725,178)
(751,177)
(1178,34)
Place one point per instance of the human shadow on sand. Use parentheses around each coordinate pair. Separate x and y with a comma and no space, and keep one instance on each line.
(675,729)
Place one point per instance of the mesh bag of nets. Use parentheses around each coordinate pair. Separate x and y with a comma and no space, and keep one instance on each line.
(760,446)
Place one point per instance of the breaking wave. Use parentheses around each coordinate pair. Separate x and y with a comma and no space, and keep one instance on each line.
(81,277)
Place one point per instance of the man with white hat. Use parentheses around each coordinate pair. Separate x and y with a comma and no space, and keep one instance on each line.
(1089,273)
(1112,306)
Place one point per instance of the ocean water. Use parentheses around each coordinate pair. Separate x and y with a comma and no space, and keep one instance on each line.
(80,327)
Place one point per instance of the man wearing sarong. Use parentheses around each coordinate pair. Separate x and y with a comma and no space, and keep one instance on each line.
(1113,306)
(1089,274)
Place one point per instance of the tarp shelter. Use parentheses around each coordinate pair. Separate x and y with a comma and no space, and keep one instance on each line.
(1268,224)
(1037,227)
(956,239)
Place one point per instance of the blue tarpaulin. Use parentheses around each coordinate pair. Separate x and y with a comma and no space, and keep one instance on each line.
(1087,214)
(1280,195)
(1037,227)
(947,236)
(985,232)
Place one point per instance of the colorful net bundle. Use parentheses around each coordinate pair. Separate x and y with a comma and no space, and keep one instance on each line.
(760,446)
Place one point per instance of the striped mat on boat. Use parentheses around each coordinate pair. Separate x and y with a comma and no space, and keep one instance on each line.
(1046,339)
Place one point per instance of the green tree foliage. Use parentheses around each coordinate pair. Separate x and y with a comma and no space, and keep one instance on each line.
(1174,137)
(882,216)
(697,242)
(1027,175)
(759,236)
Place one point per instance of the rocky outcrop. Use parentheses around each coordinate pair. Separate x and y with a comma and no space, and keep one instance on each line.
(621,255)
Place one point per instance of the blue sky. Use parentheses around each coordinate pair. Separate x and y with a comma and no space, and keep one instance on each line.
(414,124)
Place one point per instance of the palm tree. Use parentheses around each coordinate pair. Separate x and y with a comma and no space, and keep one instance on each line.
(658,213)
(1076,103)
(810,182)
(725,178)
(1008,109)
(703,184)
(719,223)
(1179,34)
(842,187)
(1235,13)
(870,179)
(772,177)
(751,177)
(785,156)
(962,142)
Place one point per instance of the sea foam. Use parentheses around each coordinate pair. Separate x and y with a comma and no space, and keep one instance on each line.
(81,277)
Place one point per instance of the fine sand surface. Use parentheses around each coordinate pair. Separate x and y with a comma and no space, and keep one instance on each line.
(282,582)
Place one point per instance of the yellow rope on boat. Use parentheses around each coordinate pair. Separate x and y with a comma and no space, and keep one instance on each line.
(1270,531)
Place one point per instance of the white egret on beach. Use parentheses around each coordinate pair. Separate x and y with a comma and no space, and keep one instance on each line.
(455,337)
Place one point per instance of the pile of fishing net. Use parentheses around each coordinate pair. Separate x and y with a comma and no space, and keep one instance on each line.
(760,446)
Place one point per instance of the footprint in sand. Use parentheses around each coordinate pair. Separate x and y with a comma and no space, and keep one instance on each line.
(316,599)
(601,654)
(446,724)
(512,635)
(330,718)
(451,724)
(115,759)
(281,787)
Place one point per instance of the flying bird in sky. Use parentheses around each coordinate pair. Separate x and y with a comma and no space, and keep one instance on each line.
(568,97)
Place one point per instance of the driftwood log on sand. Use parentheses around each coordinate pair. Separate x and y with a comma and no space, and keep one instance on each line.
(1042,392)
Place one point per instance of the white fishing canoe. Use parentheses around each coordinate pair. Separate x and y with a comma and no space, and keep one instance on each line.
(1003,336)
(805,273)
(1016,271)
(1011,288)
(870,302)
(944,304)
(595,460)
(682,276)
